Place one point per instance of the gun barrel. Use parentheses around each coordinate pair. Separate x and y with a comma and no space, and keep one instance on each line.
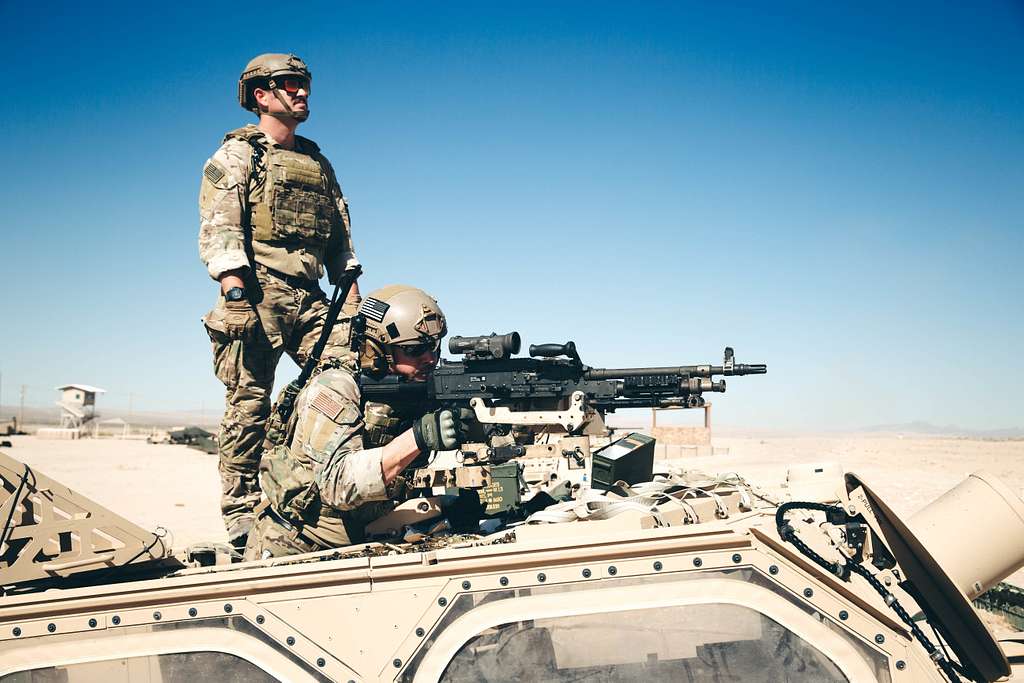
(622,373)
(749,369)
(681,370)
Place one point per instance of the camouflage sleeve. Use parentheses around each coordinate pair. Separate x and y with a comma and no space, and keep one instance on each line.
(329,432)
(341,255)
(221,239)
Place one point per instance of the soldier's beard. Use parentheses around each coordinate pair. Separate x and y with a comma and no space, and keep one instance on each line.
(289,113)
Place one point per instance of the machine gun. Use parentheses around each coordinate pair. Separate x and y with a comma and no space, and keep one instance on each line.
(552,387)
(537,416)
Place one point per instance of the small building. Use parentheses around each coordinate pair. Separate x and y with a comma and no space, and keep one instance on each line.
(77,404)
(677,441)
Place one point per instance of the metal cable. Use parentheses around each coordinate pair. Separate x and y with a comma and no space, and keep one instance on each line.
(788,533)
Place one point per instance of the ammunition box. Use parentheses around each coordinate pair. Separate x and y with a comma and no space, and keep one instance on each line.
(502,493)
(630,459)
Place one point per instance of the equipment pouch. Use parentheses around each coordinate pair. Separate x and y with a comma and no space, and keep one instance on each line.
(280,425)
(289,486)
(296,204)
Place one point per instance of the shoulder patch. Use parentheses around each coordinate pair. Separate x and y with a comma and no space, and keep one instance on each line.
(339,382)
(213,172)
(226,166)
(326,404)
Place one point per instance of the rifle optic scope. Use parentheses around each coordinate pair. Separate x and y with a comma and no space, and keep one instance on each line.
(486,346)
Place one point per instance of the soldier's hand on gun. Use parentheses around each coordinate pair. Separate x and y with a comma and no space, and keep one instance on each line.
(240,319)
(443,430)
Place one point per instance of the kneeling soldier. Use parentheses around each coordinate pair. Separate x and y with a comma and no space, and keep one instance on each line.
(340,467)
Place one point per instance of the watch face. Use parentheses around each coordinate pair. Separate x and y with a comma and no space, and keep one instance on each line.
(235,294)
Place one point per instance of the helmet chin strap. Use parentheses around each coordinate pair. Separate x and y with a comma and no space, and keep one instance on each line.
(289,113)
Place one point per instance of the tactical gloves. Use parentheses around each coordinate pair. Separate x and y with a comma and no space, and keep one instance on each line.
(442,430)
(240,319)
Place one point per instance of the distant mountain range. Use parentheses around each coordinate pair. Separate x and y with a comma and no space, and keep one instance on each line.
(50,415)
(920,427)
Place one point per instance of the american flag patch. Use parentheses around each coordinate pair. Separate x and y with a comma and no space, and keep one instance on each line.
(325,403)
(213,172)
(374,309)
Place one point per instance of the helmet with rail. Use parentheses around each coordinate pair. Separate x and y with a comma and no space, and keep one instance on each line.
(269,71)
(398,315)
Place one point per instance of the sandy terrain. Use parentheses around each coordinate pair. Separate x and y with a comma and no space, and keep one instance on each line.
(907,472)
(177,487)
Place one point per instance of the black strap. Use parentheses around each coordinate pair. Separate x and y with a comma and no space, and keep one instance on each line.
(341,291)
(286,403)
(295,281)
(255,165)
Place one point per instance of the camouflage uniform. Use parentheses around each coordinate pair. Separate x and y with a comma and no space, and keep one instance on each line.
(327,484)
(299,226)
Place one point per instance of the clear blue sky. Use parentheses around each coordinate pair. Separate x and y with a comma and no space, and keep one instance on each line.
(837,192)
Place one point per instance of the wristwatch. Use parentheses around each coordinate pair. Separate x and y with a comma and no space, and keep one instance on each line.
(234,294)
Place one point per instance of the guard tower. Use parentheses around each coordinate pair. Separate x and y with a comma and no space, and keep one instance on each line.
(77,404)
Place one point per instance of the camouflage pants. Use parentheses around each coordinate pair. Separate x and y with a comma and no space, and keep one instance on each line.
(269,538)
(291,321)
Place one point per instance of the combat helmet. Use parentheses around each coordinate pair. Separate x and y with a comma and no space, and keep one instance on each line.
(267,69)
(397,315)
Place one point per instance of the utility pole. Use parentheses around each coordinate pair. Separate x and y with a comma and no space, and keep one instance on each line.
(21,408)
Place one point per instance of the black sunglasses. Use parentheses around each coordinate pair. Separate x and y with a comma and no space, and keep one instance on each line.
(416,350)
(290,84)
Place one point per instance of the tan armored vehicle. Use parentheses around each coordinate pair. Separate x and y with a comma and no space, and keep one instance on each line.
(585,565)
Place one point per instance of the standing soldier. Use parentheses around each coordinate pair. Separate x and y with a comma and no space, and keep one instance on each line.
(272,217)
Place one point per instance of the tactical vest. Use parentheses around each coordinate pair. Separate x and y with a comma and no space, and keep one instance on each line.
(291,200)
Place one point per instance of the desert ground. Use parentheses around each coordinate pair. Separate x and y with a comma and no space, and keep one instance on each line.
(908,472)
(177,488)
